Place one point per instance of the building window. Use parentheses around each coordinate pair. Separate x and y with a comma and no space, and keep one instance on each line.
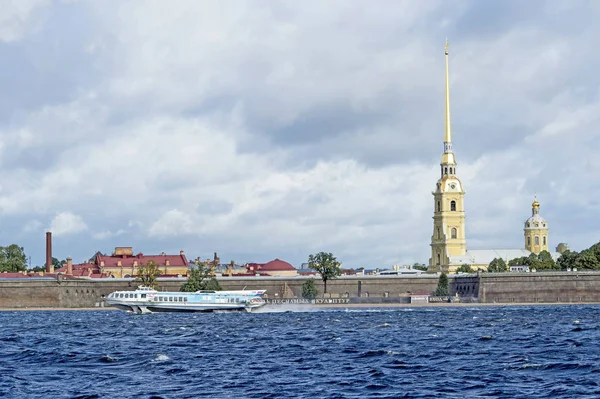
(544,240)
(528,225)
(453,205)
(537,240)
(439,205)
(438,233)
(453,232)
(438,262)
(446,171)
(528,241)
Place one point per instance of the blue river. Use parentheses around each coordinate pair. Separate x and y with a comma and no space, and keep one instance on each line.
(402,352)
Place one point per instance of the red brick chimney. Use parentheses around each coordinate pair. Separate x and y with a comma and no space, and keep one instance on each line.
(69,266)
(49,265)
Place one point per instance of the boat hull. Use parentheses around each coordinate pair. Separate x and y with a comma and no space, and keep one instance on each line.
(146,300)
(143,308)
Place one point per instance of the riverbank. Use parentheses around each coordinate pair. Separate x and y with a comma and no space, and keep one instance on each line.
(301,307)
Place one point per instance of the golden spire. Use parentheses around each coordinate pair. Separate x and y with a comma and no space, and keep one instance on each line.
(448,127)
(448,156)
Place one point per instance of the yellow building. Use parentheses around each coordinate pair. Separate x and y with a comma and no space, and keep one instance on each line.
(448,242)
(449,238)
(536,230)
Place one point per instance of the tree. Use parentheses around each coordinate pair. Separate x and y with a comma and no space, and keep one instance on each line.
(497,265)
(466,268)
(309,290)
(58,263)
(567,259)
(533,261)
(200,279)
(147,274)
(419,266)
(522,261)
(546,262)
(327,265)
(587,260)
(12,259)
(442,288)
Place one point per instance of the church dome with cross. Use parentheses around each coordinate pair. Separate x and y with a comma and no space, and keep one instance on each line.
(536,230)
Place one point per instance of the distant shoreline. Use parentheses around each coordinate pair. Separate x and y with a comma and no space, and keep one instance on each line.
(337,306)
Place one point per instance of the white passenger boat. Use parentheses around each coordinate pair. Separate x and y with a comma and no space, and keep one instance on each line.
(148,300)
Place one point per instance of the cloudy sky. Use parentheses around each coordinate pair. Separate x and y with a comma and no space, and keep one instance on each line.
(266,129)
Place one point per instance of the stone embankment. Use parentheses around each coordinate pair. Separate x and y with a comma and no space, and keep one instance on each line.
(501,288)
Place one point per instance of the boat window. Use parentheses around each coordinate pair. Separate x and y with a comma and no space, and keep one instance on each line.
(237,300)
(185,299)
(180,299)
(135,296)
(126,295)
(143,295)
(170,299)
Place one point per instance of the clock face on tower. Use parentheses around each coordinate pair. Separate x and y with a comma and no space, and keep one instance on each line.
(452,186)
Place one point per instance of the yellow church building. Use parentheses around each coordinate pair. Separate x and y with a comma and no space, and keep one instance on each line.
(449,242)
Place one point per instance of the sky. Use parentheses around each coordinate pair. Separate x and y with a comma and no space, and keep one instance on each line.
(262,130)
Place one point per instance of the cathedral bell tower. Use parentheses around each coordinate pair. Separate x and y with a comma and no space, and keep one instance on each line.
(448,239)
(536,230)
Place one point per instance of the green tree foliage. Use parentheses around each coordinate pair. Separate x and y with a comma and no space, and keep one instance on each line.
(545,261)
(567,259)
(200,280)
(466,268)
(309,290)
(587,260)
(523,260)
(12,259)
(58,263)
(419,266)
(497,265)
(442,288)
(147,274)
(327,265)
(542,261)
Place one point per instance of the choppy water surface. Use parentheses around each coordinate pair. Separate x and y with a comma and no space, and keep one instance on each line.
(542,351)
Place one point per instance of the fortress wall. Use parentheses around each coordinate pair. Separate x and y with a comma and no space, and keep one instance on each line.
(488,287)
(540,287)
(25,293)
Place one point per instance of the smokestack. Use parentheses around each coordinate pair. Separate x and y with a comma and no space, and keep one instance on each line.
(69,266)
(49,265)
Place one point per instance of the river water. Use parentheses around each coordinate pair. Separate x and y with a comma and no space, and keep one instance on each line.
(312,352)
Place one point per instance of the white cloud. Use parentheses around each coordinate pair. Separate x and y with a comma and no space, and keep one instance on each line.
(173,222)
(275,130)
(66,223)
(15,18)
(103,235)
(32,226)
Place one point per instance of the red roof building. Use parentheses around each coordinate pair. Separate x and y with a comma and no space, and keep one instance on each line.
(123,264)
(276,267)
